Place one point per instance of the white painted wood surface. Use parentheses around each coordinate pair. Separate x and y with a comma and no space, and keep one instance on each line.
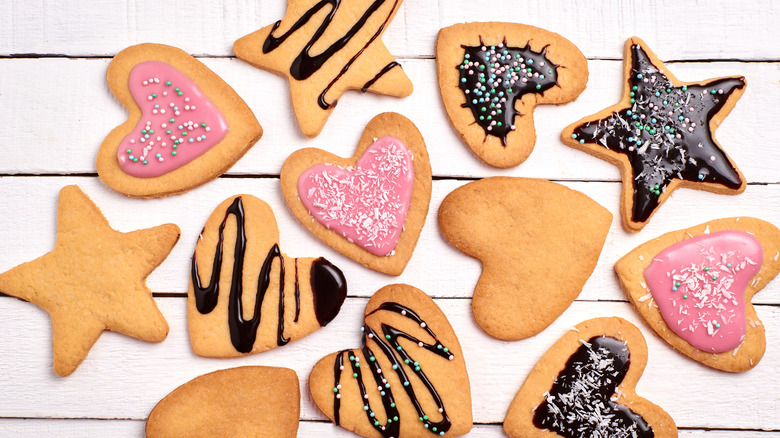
(56,108)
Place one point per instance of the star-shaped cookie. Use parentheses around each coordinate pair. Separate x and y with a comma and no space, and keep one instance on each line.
(325,48)
(661,135)
(93,280)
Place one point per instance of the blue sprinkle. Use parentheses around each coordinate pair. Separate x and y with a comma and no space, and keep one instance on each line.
(191,139)
(639,76)
(143,140)
(628,113)
(463,79)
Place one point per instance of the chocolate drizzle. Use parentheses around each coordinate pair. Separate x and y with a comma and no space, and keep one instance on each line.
(580,402)
(327,284)
(400,361)
(665,133)
(492,78)
(305,65)
(381,73)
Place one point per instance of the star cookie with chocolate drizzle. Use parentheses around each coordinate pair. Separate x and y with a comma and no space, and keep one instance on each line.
(661,135)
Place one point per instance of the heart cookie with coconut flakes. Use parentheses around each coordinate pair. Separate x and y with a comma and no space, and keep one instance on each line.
(407,380)
(186,125)
(370,207)
(694,287)
(585,384)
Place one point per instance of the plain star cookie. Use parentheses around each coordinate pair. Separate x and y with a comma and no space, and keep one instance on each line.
(245,295)
(244,402)
(407,380)
(538,242)
(94,280)
(493,75)
(585,386)
(694,288)
(324,48)
(370,207)
(186,125)
(661,135)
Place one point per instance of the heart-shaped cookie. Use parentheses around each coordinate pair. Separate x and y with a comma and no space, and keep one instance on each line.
(538,242)
(370,207)
(248,402)
(492,76)
(238,265)
(408,379)
(694,287)
(584,385)
(186,125)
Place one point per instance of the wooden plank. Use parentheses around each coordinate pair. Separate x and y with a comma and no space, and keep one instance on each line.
(125,378)
(696,31)
(436,266)
(33,428)
(49,132)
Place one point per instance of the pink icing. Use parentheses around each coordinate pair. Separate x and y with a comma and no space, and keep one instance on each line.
(368,204)
(166,94)
(699,285)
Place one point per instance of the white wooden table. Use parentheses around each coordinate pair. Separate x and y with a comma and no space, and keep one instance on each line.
(56,109)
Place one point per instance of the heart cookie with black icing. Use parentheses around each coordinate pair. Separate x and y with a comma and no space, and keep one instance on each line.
(408,379)
(694,287)
(370,207)
(538,242)
(584,385)
(238,265)
(186,125)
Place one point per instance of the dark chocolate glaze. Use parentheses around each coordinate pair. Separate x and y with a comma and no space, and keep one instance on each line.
(305,65)
(647,133)
(297,294)
(244,332)
(381,73)
(329,289)
(491,78)
(579,403)
(388,344)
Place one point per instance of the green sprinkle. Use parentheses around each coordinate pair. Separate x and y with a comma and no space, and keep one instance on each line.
(372,359)
(173,153)
(706,269)
(392,405)
(538,86)
(446,349)
(167,131)
(168,83)
(172,120)
(354,375)
(203,124)
(632,100)
(387,336)
(634,88)
(129,151)
(335,390)
(685,296)
(685,88)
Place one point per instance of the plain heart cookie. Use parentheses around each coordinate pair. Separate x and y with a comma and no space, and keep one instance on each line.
(370,207)
(244,402)
(407,380)
(186,125)
(585,386)
(325,48)
(538,242)
(493,75)
(694,287)
(245,295)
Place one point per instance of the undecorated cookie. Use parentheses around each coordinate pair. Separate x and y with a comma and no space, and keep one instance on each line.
(325,49)
(94,280)
(584,386)
(370,207)
(492,76)
(186,125)
(661,135)
(245,296)
(538,242)
(694,287)
(407,380)
(244,402)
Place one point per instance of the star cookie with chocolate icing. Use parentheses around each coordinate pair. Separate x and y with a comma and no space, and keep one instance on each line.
(661,135)
(324,48)
(94,280)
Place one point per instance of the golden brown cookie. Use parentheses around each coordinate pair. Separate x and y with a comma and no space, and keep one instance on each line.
(585,386)
(245,296)
(186,125)
(694,287)
(94,280)
(538,242)
(244,402)
(325,48)
(661,135)
(407,380)
(370,207)
(492,76)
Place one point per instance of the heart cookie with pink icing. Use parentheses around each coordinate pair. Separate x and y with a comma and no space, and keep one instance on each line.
(370,207)
(694,288)
(186,125)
